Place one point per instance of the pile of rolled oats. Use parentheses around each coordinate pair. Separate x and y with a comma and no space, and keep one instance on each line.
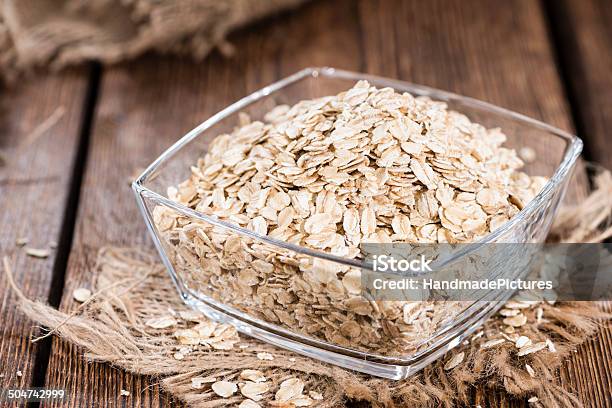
(366,165)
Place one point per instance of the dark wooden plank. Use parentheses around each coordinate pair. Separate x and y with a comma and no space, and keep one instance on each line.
(148,104)
(583,36)
(456,46)
(40,125)
(106,199)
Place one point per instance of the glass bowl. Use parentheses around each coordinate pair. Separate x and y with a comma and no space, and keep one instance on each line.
(325,329)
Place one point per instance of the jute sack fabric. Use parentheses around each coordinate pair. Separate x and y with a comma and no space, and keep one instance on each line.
(55,33)
(133,288)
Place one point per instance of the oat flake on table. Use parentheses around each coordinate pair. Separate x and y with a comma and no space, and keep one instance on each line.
(224,389)
(81,294)
(366,165)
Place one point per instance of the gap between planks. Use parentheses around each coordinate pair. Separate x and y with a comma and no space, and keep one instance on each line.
(41,358)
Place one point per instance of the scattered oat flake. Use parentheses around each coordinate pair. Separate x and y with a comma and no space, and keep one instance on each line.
(478,335)
(198,382)
(253,375)
(289,389)
(533,399)
(254,390)
(315,395)
(265,356)
(539,315)
(516,321)
(551,346)
(509,312)
(517,305)
(224,389)
(21,241)
(162,322)
(187,337)
(510,337)
(292,359)
(179,356)
(191,315)
(531,349)
(454,361)
(81,294)
(38,253)
(249,404)
(205,329)
(530,370)
(301,401)
(522,341)
(185,350)
(125,393)
(492,343)
(223,345)
(19,373)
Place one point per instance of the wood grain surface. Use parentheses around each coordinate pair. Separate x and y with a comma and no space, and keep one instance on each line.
(583,31)
(39,140)
(504,55)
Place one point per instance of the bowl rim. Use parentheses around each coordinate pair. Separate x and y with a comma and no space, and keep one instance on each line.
(562,172)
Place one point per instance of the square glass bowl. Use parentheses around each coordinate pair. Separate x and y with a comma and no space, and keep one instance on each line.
(337,326)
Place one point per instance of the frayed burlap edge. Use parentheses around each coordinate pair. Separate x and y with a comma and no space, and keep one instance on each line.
(133,288)
(37,34)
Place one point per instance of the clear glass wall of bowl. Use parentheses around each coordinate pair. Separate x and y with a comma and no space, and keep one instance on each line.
(303,299)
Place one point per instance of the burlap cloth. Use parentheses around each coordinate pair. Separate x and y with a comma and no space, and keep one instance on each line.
(133,287)
(55,33)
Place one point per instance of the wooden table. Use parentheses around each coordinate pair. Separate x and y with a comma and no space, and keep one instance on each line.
(549,60)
